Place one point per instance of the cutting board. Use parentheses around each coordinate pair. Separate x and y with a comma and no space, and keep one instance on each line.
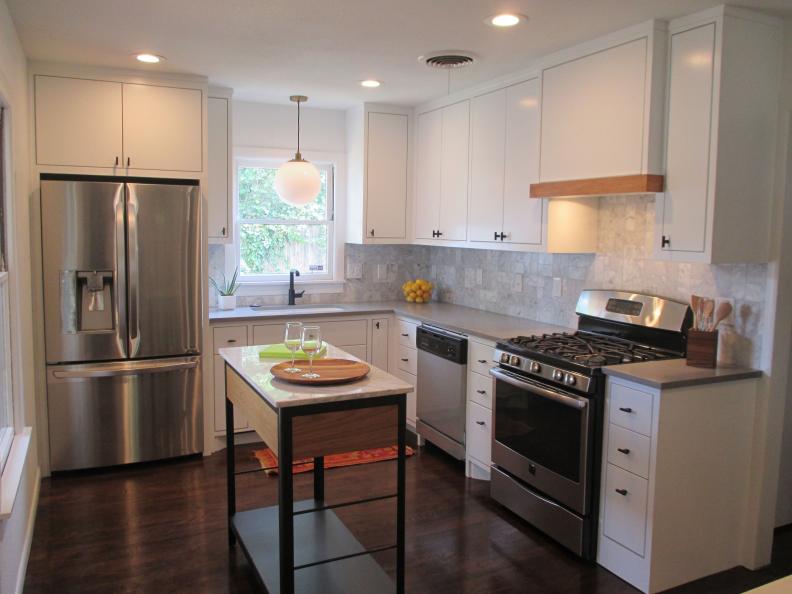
(331,371)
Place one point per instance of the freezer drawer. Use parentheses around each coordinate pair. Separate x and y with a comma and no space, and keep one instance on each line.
(104,414)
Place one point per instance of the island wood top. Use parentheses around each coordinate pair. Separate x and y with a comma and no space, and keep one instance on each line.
(278,394)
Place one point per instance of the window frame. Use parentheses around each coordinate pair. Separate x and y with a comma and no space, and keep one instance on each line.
(331,282)
(8,432)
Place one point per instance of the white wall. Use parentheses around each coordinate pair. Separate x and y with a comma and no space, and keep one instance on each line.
(275,126)
(15,533)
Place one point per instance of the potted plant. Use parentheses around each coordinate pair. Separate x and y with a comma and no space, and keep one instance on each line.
(226,291)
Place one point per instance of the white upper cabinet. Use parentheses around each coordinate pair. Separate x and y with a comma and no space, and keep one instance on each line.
(386,176)
(722,120)
(162,128)
(593,114)
(504,147)
(454,163)
(218,195)
(428,176)
(378,173)
(78,122)
(487,161)
(111,124)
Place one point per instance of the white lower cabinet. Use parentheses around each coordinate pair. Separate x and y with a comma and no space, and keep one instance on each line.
(223,337)
(404,362)
(675,476)
(478,427)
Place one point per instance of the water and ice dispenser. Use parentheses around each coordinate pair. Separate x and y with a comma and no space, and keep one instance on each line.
(86,301)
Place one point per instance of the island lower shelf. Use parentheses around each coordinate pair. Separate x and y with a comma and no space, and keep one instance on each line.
(318,536)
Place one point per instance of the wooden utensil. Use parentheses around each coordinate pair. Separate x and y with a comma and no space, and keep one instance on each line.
(724,311)
(331,371)
(707,307)
(695,305)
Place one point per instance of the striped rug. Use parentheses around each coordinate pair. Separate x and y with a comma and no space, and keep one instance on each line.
(269,461)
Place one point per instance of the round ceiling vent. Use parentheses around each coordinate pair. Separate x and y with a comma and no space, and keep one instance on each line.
(448,59)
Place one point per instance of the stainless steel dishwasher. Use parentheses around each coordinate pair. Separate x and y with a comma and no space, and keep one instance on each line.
(442,384)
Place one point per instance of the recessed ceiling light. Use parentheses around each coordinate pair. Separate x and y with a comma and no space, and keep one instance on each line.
(149,58)
(370,83)
(505,20)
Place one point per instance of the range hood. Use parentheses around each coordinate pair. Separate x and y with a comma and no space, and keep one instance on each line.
(599,186)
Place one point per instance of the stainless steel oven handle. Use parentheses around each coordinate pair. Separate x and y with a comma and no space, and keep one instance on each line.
(565,399)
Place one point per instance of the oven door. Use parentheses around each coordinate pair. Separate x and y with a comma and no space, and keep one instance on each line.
(542,436)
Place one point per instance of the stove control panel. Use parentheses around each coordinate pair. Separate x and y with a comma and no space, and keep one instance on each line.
(544,371)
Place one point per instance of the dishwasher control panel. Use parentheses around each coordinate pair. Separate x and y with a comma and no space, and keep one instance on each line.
(442,343)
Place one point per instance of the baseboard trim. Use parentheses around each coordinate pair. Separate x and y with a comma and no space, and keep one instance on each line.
(31,524)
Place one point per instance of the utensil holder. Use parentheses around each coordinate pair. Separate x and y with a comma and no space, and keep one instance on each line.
(702,348)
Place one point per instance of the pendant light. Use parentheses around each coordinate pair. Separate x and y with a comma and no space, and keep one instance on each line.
(297,181)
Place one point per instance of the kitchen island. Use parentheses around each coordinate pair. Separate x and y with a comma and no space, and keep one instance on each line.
(303,546)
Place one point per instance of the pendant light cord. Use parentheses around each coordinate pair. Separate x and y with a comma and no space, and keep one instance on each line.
(298,127)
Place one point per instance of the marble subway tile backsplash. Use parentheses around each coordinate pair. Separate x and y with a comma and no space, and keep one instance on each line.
(521,284)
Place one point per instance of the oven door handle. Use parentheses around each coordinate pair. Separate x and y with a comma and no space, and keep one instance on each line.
(565,399)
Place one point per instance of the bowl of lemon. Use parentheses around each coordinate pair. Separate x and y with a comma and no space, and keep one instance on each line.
(417,291)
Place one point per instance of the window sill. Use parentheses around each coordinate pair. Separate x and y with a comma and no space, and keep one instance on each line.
(247,289)
(13,471)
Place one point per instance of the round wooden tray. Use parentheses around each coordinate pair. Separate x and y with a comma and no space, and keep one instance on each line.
(331,371)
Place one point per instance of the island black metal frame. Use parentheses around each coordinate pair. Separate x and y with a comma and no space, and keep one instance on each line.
(268,536)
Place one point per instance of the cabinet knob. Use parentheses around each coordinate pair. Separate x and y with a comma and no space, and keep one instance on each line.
(482,360)
(625,451)
(405,335)
(222,232)
(481,391)
(372,232)
(626,409)
(665,241)
(129,160)
(377,325)
(622,492)
(495,236)
(405,360)
(116,162)
(231,340)
(480,423)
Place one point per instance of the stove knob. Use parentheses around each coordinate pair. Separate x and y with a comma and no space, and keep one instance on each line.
(515,360)
(558,375)
(504,358)
(570,380)
(535,367)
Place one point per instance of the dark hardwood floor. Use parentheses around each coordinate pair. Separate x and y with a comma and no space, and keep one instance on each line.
(162,528)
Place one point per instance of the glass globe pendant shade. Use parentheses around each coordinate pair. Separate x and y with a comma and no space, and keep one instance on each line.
(297,182)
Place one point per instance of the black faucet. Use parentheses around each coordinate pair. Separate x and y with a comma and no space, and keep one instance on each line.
(292,293)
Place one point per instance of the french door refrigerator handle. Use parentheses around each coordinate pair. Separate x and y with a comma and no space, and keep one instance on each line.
(120,280)
(124,368)
(134,271)
(565,399)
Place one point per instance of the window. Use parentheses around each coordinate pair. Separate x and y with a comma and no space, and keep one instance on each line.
(6,392)
(275,237)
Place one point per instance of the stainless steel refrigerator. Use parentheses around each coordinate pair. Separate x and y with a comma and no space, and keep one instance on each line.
(122,315)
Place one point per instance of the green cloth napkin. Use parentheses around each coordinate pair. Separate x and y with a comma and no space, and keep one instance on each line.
(279,351)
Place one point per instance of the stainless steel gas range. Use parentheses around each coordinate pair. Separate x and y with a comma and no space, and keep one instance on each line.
(549,392)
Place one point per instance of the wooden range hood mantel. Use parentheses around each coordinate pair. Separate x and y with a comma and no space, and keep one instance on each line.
(600,186)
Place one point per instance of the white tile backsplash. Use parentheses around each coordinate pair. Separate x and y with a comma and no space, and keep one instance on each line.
(521,284)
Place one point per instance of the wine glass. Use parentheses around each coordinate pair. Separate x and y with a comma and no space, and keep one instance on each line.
(291,340)
(311,344)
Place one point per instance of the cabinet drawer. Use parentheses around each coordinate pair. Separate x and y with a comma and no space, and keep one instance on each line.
(480,357)
(412,397)
(407,333)
(338,333)
(625,508)
(229,336)
(479,433)
(631,409)
(480,389)
(629,450)
(408,360)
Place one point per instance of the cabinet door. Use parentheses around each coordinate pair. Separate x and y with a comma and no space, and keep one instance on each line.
(379,343)
(454,167)
(78,122)
(487,158)
(386,176)
(522,215)
(240,422)
(593,114)
(427,170)
(163,128)
(688,144)
(219,186)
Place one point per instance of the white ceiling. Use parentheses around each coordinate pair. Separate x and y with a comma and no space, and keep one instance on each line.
(267,50)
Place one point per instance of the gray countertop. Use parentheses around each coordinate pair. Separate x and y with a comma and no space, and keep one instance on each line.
(676,373)
(476,322)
